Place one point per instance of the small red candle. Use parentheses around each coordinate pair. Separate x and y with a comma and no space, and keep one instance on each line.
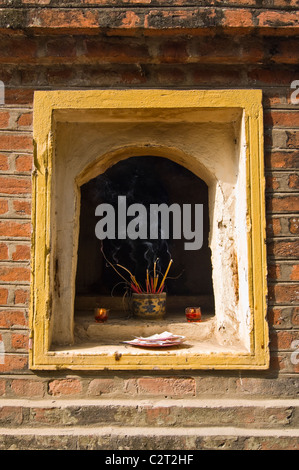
(101,315)
(193,314)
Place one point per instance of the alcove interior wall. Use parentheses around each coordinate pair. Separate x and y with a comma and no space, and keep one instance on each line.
(210,145)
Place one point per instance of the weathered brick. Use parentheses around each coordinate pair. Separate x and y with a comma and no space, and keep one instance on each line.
(166,386)
(14,274)
(282,340)
(3,206)
(273,226)
(14,363)
(65,387)
(19,341)
(21,253)
(283,203)
(4,119)
(116,51)
(284,293)
(284,248)
(282,160)
(294,181)
(23,163)
(292,139)
(4,165)
(61,47)
(22,207)
(21,296)
(15,229)
(24,120)
(27,388)
(294,225)
(12,318)
(15,142)
(101,386)
(282,118)
(15,185)
(174,52)
(3,295)
(3,251)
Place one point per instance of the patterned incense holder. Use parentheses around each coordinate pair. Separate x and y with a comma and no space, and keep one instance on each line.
(149,306)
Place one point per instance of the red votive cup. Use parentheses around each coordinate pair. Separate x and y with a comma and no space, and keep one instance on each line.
(101,315)
(193,314)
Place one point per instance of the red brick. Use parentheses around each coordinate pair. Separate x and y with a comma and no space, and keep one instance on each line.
(238,18)
(274,271)
(3,295)
(2,388)
(9,318)
(284,248)
(4,119)
(27,388)
(15,185)
(270,76)
(4,165)
(16,96)
(292,139)
(284,293)
(173,52)
(25,119)
(101,386)
(19,341)
(15,229)
(295,273)
(277,19)
(14,363)
(287,52)
(14,274)
(293,182)
(22,296)
(282,118)
(282,340)
(294,225)
(3,206)
(282,160)
(275,316)
(16,49)
(273,227)
(21,253)
(272,183)
(63,387)
(61,47)
(116,51)
(283,204)
(15,142)
(295,317)
(3,252)
(22,207)
(11,415)
(24,163)
(166,386)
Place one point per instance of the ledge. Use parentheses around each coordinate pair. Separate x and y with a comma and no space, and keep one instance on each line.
(114,19)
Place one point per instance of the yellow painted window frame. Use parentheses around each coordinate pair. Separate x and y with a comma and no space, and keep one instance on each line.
(45,102)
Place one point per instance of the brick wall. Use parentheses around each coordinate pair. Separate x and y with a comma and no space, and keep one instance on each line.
(231,44)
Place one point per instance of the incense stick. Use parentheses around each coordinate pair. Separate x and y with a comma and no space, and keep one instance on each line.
(165,275)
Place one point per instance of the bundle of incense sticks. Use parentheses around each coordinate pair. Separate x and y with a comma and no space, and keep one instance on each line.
(152,285)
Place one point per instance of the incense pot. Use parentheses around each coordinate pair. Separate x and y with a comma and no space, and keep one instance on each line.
(149,306)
